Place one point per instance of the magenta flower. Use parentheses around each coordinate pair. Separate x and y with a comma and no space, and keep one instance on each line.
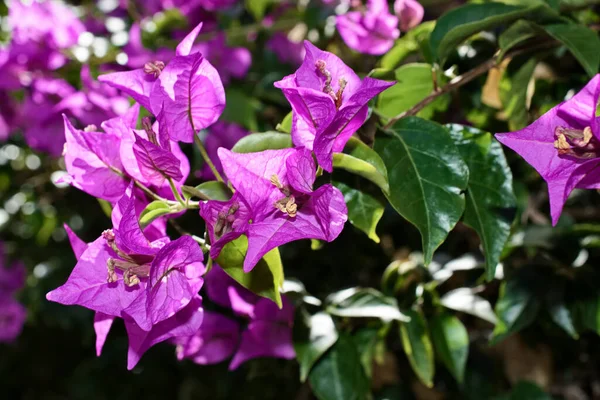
(93,162)
(329,101)
(123,274)
(138,55)
(174,279)
(371,31)
(268,333)
(410,13)
(274,203)
(39,31)
(223,290)
(187,90)
(221,134)
(215,341)
(563,145)
(12,277)
(40,114)
(123,266)
(184,323)
(12,318)
(287,51)
(230,62)
(47,99)
(155,160)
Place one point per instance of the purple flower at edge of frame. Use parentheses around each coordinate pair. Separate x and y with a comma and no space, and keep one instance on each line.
(563,145)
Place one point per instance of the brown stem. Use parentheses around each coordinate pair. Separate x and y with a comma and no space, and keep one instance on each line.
(464,79)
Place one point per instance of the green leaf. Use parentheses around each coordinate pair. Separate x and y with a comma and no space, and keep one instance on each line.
(318,337)
(427,175)
(361,160)
(241,109)
(258,7)
(587,311)
(581,41)
(460,23)
(263,141)
(516,308)
(265,279)
(465,300)
(364,303)
(339,374)
(286,125)
(560,314)
(417,346)
(516,34)
(407,44)
(211,190)
(514,86)
(365,204)
(106,207)
(451,341)
(491,203)
(414,83)
(370,345)
(153,211)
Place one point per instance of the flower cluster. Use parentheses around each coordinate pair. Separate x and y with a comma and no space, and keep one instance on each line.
(12,313)
(40,35)
(136,272)
(372,29)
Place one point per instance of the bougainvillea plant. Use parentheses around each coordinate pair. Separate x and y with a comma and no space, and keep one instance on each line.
(330,199)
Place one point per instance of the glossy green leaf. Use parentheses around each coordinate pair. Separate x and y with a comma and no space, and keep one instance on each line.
(516,34)
(153,211)
(263,141)
(364,200)
(460,23)
(339,374)
(361,160)
(407,43)
(265,279)
(514,86)
(414,83)
(427,176)
(581,41)
(364,303)
(211,190)
(417,346)
(491,203)
(516,308)
(451,342)
(310,344)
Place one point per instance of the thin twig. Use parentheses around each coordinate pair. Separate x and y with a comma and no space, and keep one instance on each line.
(207,158)
(464,79)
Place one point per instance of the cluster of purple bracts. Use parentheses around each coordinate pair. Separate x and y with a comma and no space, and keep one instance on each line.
(152,283)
